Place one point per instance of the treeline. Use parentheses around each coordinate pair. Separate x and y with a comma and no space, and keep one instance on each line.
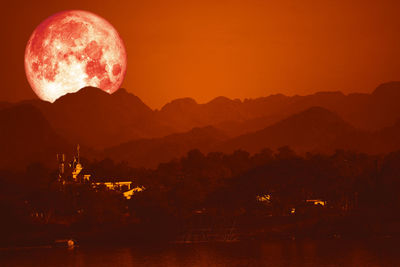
(255,189)
(346,192)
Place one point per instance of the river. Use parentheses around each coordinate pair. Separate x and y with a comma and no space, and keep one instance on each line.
(380,252)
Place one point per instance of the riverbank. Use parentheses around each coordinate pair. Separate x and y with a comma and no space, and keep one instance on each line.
(306,252)
(208,230)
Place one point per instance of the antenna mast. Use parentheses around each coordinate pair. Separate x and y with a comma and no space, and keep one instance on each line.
(78,149)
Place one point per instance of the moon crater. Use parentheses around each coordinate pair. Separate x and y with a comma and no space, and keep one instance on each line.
(71,50)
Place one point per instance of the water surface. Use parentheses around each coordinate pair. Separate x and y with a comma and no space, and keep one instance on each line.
(381,252)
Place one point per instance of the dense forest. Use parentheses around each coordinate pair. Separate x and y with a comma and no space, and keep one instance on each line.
(271,194)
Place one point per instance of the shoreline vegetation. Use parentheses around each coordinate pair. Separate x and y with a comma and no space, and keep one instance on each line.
(209,198)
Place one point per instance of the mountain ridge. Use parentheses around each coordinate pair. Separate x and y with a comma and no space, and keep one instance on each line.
(98,120)
(316,130)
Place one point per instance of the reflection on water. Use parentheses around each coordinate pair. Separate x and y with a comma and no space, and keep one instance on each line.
(258,253)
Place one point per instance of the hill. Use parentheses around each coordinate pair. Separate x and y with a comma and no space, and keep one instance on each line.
(315,129)
(151,152)
(368,112)
(26,137)
(97,119)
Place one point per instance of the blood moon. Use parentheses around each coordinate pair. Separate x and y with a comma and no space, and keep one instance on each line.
(73,49)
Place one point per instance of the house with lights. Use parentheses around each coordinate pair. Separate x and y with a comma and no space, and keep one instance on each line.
(79,176)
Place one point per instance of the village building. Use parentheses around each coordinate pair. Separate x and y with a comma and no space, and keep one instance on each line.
(79,176)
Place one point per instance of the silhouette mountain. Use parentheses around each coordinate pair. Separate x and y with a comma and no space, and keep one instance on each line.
(315,129)
(26,137)
(4,105)
(383,108)
(364,111)
(185,113)
(387,139)
(96,119)
(151,152)
(133,132)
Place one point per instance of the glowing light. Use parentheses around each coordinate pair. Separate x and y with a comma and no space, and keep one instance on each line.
(316,202)
(71,50)
(264,198)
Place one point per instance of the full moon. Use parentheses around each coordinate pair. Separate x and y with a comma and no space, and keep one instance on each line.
(73,49)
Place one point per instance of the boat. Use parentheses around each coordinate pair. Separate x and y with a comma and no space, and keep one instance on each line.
(65,243)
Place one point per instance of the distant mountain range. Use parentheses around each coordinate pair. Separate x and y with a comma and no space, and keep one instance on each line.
(122,127)
(364,111)
(151,152)
(96,119)
(313,130)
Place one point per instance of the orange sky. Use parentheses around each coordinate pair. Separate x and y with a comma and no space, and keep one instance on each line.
(206,48)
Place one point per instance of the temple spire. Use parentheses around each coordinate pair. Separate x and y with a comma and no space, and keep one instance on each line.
(78,152)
